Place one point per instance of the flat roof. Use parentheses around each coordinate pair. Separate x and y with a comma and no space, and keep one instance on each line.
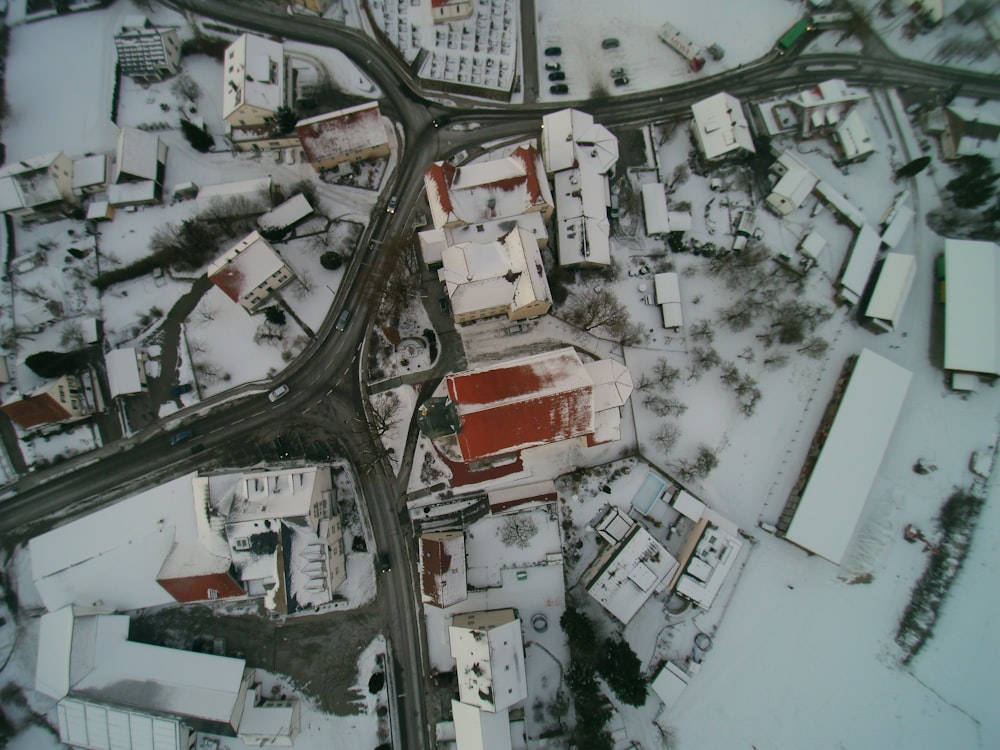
(892,288)
(835,495)
(858,266)
(654,205)
(972,308)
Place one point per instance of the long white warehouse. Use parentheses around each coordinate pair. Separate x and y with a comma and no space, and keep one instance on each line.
(836,491)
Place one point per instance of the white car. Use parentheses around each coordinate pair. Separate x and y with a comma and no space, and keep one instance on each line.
(281,390)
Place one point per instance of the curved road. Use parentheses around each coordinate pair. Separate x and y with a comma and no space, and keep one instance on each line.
(325,380)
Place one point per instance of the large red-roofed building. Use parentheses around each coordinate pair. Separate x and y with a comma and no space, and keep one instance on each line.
(352,134)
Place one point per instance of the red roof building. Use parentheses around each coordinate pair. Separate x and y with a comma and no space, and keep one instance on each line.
(249,272)
(352,134)
(57,401)
(442,568)
(534,401)
(485,191)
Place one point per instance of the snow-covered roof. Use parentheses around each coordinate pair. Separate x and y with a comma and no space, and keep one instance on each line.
(28,183)
(654,208)
(245,266)
(898,219)
(795,184)
(103,665)
(442,568)
(626,574)
(31,164)
(720,127)
(853,136)
(839,202)
(892,288)
(288,214)
(521,497)
(255,188)
(813,244)
(132,193)
(522,403)
(91,724)
(584,232)
(669,684)
(255,75)
(489,653)
(90,171)
(688,505)
(858,266)
(346,131)
(138,155)
(972,306)
(571,138)
(281,493)
(613,525)
(111,558)
(612,383)
(495,229)
(485,191)
(668,297)
(262,724)
(476,729)
(837,489)
(125,374)
(707,568)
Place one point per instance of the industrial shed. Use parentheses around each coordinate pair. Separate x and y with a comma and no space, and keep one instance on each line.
(971,311)
(826,504)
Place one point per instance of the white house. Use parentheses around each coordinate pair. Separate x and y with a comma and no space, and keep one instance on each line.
(254,81)
(895,279)
(140,166)
(126,371)
(500,278)
(654,209)
(249,271)
(668,297)
(37,189)
(489,659)
(822,108)
(794,185)
(625,574)
(720,128)
(852,139)
(857,267)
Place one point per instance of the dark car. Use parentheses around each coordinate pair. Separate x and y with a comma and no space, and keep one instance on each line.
(623,81)
(384,565)
(197,448)
(280,448)
(180,437)
(179,390)
(610,43)
(559,88)
(443,302)
(557,76)
(440,122)
(322,450)
(553,51)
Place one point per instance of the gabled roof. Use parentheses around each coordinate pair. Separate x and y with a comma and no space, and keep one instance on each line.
(489,653)
(139,154)
(288,214)
(571,138)
(485,191)
(37,408)
(442,568)
(245,266)
(255,74)
(28,183)
(344,131)
(584,233)
(531,401)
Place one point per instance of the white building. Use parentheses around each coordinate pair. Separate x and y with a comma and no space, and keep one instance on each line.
(434,241)
(292,212)
(140,166)
(720,128)
(285,537)
(126,371)
(476,729)
(488,649)
(654,209)
(254,81)
(827,504)
(971,311)
(625,574)
(794,185)
(579,154)
(145,52)
(852,139)
(500,278)
(37,189)
(821,109)
(857,267)
(895,279)
(668,297)
(249,271)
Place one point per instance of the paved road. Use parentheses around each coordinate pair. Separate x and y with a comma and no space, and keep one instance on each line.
(325,380)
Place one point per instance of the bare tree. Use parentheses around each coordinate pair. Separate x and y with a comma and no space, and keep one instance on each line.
(666,374)
(594,308)
(730,374)
(185,87)
(630,334)
(741,314)
(794,320)
(518,530)
(748,354)
(702,331)
(775,361)
(385,412)
(815,347)
(663,407)
(72,336)
(207,313)
(748,394)
(700,466)
(677,178)
(702,359)
(666,436)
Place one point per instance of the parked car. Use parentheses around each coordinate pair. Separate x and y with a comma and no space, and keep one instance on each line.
(322,450)
(443,302)
(559,88)
(343,319)
(280,448)
(623,81)
(179,390)
(610,43)
(279,392)
(617,72)
(557,76)
(553,66)
(553,51)
(180,437)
